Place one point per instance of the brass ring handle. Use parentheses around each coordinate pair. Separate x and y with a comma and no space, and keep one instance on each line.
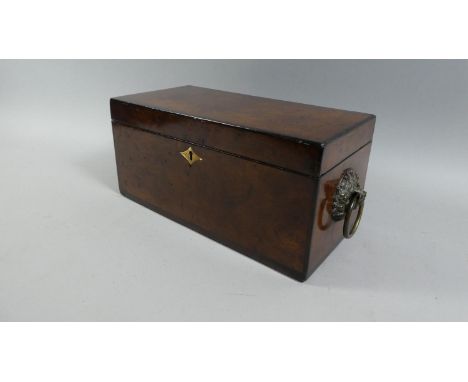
(348,196)
(357,201)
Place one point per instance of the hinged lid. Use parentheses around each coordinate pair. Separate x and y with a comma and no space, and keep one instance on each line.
(302,138)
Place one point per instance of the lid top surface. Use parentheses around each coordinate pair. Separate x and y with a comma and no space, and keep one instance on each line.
(293,120)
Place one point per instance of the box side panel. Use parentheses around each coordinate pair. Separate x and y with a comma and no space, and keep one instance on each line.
(327,233)
(278,151)
(258,210)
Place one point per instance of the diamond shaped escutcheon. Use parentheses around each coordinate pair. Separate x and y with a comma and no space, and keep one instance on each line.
(190,156)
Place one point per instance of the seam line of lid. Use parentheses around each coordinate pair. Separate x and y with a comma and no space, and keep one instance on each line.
(216,150)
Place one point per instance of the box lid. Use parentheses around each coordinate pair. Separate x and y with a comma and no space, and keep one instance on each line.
(303,138)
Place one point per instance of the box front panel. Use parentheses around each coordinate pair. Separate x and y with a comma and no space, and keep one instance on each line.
(261,211)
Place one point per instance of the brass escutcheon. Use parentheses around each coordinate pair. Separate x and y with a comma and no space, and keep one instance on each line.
(348,197)
(190,156)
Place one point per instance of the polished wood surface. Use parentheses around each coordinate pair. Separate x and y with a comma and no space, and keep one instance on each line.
(267,174)
(294,120)
(259,210)
(303,138)
(327,233)
(263,148)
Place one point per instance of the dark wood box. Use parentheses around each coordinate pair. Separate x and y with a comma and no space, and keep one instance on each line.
(267,178)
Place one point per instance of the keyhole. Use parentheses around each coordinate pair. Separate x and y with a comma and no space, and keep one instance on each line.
(190,155)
